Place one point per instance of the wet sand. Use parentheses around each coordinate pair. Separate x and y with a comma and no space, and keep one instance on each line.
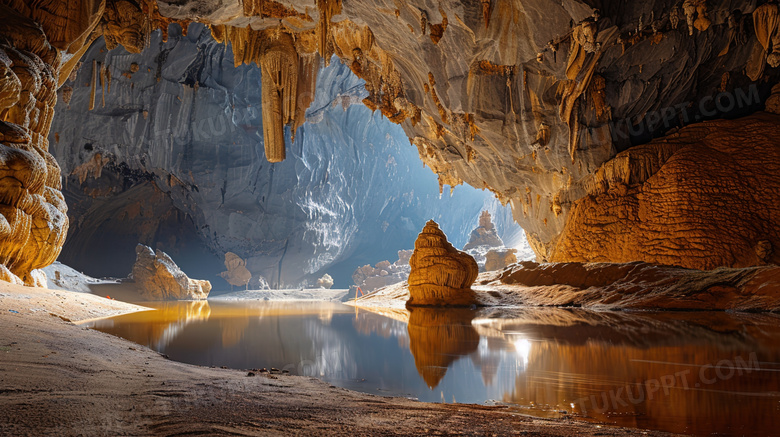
(59,378)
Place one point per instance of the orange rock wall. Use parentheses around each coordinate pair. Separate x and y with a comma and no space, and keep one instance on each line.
(704,197)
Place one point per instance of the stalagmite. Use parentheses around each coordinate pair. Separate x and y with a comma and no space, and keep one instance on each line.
(441,275)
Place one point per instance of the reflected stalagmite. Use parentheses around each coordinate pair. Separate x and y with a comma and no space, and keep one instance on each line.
(438,337)
(441,274)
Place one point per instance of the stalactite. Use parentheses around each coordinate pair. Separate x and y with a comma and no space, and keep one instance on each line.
(94,84)
(327,9)
(103,85)
(253,8)
(108,80)
(486,12)
(308,66)
(279,64)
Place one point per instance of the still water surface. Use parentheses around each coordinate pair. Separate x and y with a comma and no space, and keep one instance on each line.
(696,373)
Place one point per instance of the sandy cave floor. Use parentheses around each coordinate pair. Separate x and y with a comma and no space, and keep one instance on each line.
(59,378)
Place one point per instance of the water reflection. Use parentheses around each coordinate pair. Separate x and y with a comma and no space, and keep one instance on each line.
(630,369)
(438,337)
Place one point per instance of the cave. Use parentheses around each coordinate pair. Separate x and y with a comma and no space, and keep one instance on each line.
(549,208)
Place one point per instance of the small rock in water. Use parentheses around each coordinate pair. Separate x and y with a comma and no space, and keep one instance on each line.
(250,374)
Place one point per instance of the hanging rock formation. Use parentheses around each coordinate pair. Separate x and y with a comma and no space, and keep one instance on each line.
(279,64)
(159,278)
(441,275)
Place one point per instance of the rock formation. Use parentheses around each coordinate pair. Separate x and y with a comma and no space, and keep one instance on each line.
(646,203)
(634,285)
(383,273)
(497,259)
(484,234)
(236,274)
(325,281)
(33,220)
(488,249)
(441,275)
(159,278)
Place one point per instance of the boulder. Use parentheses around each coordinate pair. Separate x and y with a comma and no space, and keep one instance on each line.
(383,274)
(441,275)
(237,274)
(159,278)
(498,259)
(326,281)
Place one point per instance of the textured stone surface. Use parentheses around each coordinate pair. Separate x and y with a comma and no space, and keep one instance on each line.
(33,223)
(159,278)
(531,99)
(634,286)
(527,99)
(441,275)
(706,196)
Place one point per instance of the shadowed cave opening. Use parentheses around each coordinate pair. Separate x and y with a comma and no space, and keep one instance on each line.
(172,157)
